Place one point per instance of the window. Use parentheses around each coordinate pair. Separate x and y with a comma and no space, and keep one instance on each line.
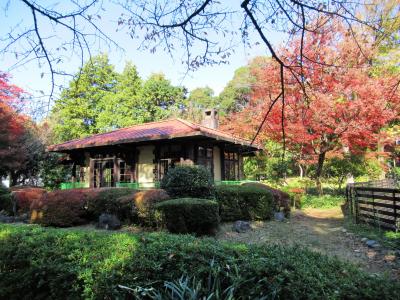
(169,156)
(124,175)
(205,157)
(231,166)
(79,173)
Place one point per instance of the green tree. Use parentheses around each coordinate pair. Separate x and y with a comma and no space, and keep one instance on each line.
(160,99)
(199,99)
(236,94)
(85,99)
(122,108)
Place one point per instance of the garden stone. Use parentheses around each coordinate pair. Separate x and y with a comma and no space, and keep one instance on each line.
(6,219)
(279,216)
(109,222)
(371,243)
(241,226)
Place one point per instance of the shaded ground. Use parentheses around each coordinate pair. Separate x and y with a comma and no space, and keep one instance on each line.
(321,230)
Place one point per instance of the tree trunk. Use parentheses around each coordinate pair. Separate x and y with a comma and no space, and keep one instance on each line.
(13,179)
(301,171)
(318,173)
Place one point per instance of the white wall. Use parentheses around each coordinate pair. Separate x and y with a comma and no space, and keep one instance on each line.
(146,166)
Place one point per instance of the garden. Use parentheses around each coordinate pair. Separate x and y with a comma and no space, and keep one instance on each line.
(65,250)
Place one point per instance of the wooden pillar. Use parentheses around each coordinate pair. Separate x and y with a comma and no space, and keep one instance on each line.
(116,171)
(91,172)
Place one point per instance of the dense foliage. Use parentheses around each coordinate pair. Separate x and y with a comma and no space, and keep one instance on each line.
(42,263)
(281,199)
(145,202)
(189,215)
(59,209)
(188,181)
(244,203)
(116,201)
(24,197)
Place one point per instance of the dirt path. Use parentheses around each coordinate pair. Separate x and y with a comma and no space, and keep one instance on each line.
(322,231)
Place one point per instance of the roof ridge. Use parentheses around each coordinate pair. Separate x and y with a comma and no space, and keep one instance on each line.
(191,124)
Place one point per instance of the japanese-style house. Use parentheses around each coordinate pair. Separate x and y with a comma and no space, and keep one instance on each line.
(142,154)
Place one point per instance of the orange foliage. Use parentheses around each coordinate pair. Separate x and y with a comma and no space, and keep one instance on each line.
(25,196)
(59,208)
(341,104)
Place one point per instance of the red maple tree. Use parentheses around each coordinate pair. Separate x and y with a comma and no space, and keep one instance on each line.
(12,128)
(332,100)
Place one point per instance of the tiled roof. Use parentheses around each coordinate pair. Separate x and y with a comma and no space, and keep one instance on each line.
(162,130)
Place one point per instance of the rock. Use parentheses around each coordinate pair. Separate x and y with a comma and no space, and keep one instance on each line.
(279,216)
(344,230)
(241,226)
(370,243)
(376,245)
(21,218)
(364,240)
(109,222)
(6,219)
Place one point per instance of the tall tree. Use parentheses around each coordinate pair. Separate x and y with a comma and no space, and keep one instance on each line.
(160,99)
(80,105)
(20,149)
(199,99)
(237,92)
(122,107)
(338,106)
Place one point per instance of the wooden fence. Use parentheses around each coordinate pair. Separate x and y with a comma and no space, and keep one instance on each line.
(377,203)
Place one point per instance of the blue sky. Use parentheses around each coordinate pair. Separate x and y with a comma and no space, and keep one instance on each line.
(28,76)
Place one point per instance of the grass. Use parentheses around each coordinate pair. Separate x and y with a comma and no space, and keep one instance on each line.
(324,201)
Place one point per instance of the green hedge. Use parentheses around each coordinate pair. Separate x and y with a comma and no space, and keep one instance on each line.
(189,215)
(244,203)
(188,181)
(45,263)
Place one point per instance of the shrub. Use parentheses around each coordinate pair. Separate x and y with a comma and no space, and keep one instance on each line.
(145,202)
(44,263)
(188,181)
(59,208)
(116,201)
(24,197)
(5,199)
(281,199)
(189,215)
(244,203)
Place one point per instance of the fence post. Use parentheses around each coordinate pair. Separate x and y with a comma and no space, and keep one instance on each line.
(355,203)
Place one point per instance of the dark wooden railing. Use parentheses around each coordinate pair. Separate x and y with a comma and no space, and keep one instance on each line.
(377,203)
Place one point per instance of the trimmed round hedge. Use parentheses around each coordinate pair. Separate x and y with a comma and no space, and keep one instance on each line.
(189,215)
(238,202)
(46,263)
(188,181)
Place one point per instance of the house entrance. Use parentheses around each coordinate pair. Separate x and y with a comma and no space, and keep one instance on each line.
(103,173)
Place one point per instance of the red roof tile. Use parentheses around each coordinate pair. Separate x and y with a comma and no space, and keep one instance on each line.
(147,132)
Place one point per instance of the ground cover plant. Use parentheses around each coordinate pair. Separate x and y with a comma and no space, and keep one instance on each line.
(38,263)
